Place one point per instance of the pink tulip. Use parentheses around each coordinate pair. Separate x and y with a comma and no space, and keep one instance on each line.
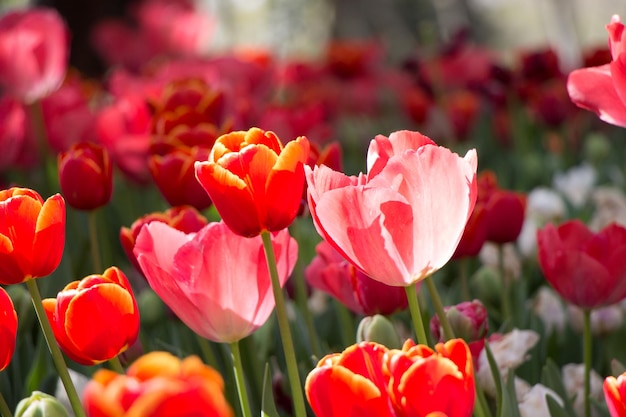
(33,53)
(403,220)
(214,280)
(602,89)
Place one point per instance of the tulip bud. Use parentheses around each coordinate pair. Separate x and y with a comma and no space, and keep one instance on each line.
(378,329)
(40,404)
(467,319)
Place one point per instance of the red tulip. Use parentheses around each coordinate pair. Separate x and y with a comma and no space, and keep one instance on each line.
(615,395)
(175,177)
(331,273)
(184,218)
(402,220)
(255,184)
(33,53)
(124,129)
(96,318)
(602,89)
(86,176)
(158,384)
(585,268)
(505,210)
(367,379)
(32,234)
(195,275)
(8,329)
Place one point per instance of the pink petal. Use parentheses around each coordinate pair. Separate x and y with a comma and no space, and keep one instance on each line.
(593,89)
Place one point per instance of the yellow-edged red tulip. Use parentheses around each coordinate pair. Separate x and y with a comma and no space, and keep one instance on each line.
(367,379)
(158,384)
(615,395)
(32,234)
(254,182)
(96,318)
(8,329)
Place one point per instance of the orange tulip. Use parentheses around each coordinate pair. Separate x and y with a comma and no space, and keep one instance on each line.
(158,384)
(32,234)
(8,329)
(254,182)
(423,381)
(96,318)
(368,379)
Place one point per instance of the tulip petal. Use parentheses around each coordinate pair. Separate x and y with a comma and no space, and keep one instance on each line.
(99,340)
(362,228)
(335,391)
(594,89)
(441,190)
(49,241)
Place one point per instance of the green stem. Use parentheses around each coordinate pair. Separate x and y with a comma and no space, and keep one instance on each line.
(345,322)
(207,353)
(587,359)
(4,407)
(57,356)
(283,325)
(116,365)
(481,408)
(302,303)
(93,241)
(239,379)
(443,319)
(416,314)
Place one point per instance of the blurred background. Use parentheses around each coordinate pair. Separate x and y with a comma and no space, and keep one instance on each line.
(302,28)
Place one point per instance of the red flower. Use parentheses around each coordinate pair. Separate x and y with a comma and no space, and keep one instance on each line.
(585,268)
(602,89)
(175,177)
(8,329)
(96,318)
(86,176)
(505,209)
(124,129)
(196,276)
(367,379)
(615,395)
(255,184)
(32,234)
(184,218)
(33,53)
(158,384)
(331,273)
(402,220)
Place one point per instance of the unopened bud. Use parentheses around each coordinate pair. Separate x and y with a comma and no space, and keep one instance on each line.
(40,404)
(378,329)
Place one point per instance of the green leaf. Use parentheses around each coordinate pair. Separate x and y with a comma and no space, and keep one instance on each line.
(506,400)
(555,408)
(268,407)
(551,378)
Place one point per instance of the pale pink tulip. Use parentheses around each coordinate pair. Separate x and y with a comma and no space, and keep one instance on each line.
(214,280)
(403,220)
(33,53)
